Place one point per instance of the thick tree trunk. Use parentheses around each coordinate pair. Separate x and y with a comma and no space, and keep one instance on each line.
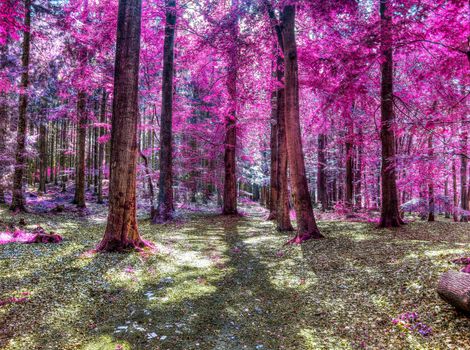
(42,158)
(390,216)
(121,230)
(101,147)
(430,182)
(230,143)
(454,288)
(79,198)
(306,225)
(18,200)
(165,207)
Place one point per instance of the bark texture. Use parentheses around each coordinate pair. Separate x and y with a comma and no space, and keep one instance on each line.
(389,216)
(18,201)
(79,198)
(165,206)
(454,288)
(306,225)
(322,193)
(230,144)
(121,230)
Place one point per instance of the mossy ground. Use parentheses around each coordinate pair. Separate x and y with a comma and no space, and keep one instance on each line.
(230,283)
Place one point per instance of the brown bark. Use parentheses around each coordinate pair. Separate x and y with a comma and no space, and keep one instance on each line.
(165,208)
(349,166)
(230,142)
(104,99)
(389,216)
(454,288)
(430,182)
(274,173)
(42,158)
(4,121)
(79,198)
(63,162)
(358,173)
(306,225)
(121,230)
(463,175)
(18,201)
(455,216)
(283,205)
(321,172)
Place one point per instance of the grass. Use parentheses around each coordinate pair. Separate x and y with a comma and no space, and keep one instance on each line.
(230,283)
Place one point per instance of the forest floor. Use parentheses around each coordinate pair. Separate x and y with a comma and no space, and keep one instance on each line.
(230,283)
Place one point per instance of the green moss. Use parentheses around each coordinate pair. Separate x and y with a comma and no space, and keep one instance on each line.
(230,283)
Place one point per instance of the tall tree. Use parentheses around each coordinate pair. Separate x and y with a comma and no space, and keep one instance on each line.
(230,143)
(165,206)
(121,230)
(463,173)
(389,216)
(18,201)
(42,157)
(322,193)
(80,165)
(306,225)
(430,182)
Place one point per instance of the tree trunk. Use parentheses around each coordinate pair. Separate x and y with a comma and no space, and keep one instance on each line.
(321,172)
(165,207)
(455,215)
(430,182)
(18,201)
(463,175)
(63,158)
(306,225)
(42,158)
(4,121)
(79,198)
(390,216)
(230,143)
(274,173)
(349,166)
(101,147)
(121,230)
(454,288)
(358,172)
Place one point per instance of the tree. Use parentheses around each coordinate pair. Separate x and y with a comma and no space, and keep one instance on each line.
(18,201)
(306,225)
(80,165)
(389,215)
(165,207)
(121,229)
(230,142)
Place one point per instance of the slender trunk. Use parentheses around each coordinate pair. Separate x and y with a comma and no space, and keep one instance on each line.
(42,158)
(358,172)
(349,166)
(446,195)
(4,121)
(390,216)
(274,173)
(306,225)
(63,156)
(455,215)
(101,147)
(165,207)
(18,201)
(321,172)
(430,182)
(230,144)
(463,175)
(79,198)
(121,230)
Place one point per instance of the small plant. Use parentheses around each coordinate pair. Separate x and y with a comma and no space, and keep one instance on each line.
(409,322)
